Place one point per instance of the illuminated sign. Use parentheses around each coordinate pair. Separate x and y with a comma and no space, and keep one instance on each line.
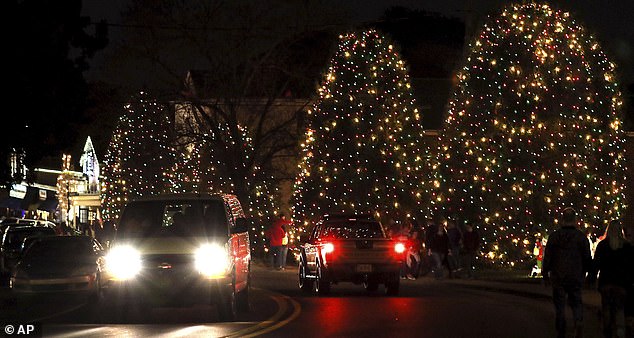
(18,191)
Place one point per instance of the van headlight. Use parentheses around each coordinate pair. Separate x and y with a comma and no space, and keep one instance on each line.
(212,260)
(123,262)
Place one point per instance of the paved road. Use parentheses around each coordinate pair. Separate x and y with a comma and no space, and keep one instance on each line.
(424,308)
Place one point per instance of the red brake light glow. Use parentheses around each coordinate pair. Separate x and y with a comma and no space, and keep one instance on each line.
(399,247)
(328,248)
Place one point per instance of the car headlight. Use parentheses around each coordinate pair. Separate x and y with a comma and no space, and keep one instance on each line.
(212,260)
(123,262)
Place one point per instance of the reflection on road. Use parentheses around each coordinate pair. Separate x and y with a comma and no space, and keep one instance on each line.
(335,313)
(72,318)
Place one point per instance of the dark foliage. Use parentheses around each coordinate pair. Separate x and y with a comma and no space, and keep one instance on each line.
(48,47)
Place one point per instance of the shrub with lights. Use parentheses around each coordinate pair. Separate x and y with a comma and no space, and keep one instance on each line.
(138,155)
(534,126)
(207,165)
(362,150)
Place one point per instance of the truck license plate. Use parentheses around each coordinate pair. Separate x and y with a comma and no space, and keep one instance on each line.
(364,267)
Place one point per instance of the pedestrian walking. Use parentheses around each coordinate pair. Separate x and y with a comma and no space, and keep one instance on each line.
(438,247)
(286,224)
(402,235)
(455,241)
(566,261)
(538,251)
(414,246)
(470,248)
(614,262)
(275,234)
(426,263)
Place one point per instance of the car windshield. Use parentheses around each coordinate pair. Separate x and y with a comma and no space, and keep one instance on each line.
(173,218)
(67,247)
(350,229)
(14,238)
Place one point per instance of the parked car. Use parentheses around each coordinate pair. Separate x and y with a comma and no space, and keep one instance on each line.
(17,220)
(61,264)
(28,221)
(183,249)
(26,244)
(12,240)
(350,248)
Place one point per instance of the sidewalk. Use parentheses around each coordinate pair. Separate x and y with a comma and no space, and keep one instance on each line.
(514,283)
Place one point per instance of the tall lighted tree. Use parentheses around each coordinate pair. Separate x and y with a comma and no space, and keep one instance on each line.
(361,152)
(205,166)
(534,126)
(63,188)
(138,155)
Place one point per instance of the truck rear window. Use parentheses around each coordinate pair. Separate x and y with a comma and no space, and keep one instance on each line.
(349,229)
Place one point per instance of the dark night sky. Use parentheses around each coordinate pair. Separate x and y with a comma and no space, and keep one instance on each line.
(609,20)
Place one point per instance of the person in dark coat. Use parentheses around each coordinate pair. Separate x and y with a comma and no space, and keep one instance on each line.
(614,262)
(567,259)
(455,241)
(414,246)
(438,247)
(470,247)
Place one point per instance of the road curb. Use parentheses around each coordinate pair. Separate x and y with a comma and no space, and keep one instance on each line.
(591,298)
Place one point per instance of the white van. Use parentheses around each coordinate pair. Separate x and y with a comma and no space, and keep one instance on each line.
(182,248)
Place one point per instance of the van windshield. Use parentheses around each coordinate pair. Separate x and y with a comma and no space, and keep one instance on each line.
(173,218)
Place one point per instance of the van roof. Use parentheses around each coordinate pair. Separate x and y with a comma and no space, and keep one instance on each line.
(180,197)
(230,199)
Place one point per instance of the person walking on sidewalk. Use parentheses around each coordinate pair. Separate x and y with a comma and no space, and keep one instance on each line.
(470,247)
(614,261)
(566,261)
(275,235)
(438,246)
(286,225)
(453,255)
(414,245)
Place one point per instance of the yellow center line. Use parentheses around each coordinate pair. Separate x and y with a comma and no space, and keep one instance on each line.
(281,306)
(297,309)
(273,322)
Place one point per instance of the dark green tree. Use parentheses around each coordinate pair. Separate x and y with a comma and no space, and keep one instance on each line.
(534,126)
(362,148)
(48,45)
(139,156)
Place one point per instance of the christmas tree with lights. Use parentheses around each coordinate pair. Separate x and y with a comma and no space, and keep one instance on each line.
(138,155)
(362,148)
(534,126)
(206,167)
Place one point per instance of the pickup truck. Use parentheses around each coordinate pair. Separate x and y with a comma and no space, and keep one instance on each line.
(350,248)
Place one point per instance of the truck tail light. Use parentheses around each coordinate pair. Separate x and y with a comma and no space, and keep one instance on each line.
(399,248)
(328,248)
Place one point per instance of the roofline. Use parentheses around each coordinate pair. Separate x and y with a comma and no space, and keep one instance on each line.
(181,197)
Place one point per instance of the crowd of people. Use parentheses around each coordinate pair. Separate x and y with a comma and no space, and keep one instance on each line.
(568,259)
(569,265)
(440,246)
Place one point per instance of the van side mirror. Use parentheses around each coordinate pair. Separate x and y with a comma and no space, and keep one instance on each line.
(242,225)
